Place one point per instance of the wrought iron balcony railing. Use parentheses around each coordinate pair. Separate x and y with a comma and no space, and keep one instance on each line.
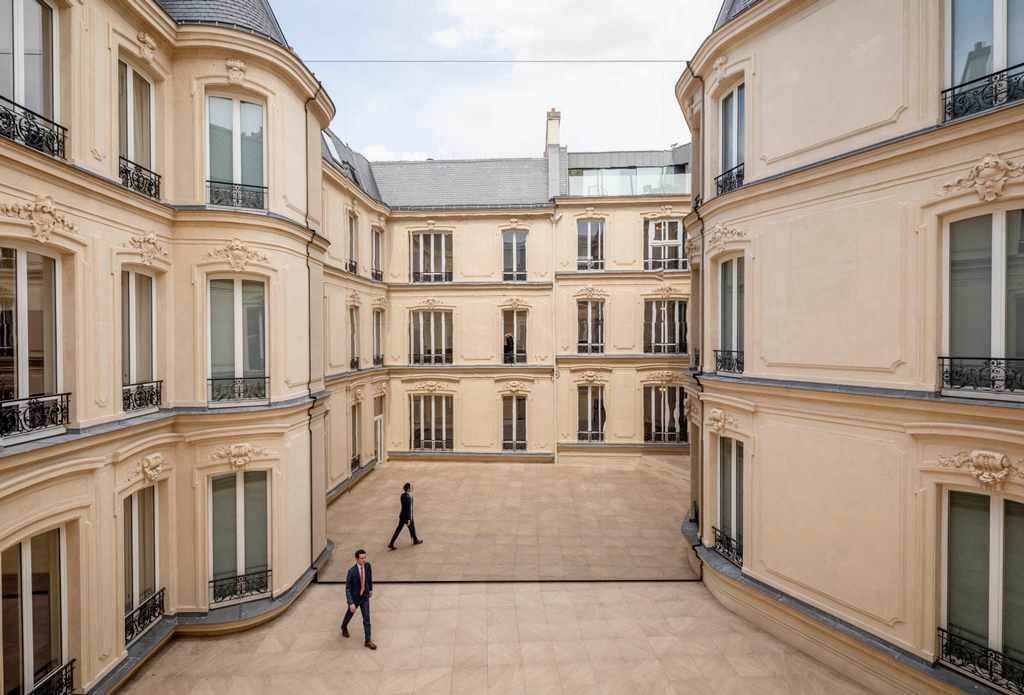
(138,178)
(60,681)
(514,276)
(141,396)
(242,586)
(433,444)
(667,436)
(729,361)
(667,348)
(377,274)
(517,357)
(664,264)
(354,462)
(34,414)
(31,129)
(980,662)
(446,276)
(246,388)
(997,375)
(590,435)
(378,360)
(729,180)
(513,445)
(728,547)
(591,348)
(353,363)
(432,357)
(988,92)
(237,195)
(136,622)
(589,264)
(352,267)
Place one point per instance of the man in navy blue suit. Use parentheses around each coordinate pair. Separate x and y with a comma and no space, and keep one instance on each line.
(405,518)
(358,590)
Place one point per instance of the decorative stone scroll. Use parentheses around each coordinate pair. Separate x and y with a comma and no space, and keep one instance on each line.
(514,303)
(42,215)
(989,468)
(986,178)
(691,409)
(718,420)
(147,46)
(591,292)
(236,71)
(592,377)
(237,254)
(240,455)
(667,291)
(693,250)
(148,246)
(662,376)
(719,235)
(380,303)
(149,467)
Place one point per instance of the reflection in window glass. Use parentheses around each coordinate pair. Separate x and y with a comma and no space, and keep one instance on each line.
(973,28)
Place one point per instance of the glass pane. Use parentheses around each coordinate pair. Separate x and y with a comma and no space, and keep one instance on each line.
(42,324)
(970,287)
(8,326)
(122,108)
(520,251)
(126,329)
(252,143)
(225,527)
(222,329)
(38,39)
(222,166)
(727,307)
(1015,282)
(1013,581)
(972,24)
(141,120)
(582,240)
(725,486)
(46,609)
(582,409)
(1015,32)
(739,492)
(257,557)
(506,418)
(508,252)
(448,264)
(597,240)
(968,573)
(449,414)
(739,303)
(582,323)
(129,577)
(10,583)
(740,109)
(416,252)
(521,418)
(649,396)
(147,543)
(6,57)
(144,328)
(599,413)
(521,333)
(254,358)
(727,142)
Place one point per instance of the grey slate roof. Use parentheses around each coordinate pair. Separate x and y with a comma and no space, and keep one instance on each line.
(353,165)
(641,158)
(254,16)
(731,8)
(463,183)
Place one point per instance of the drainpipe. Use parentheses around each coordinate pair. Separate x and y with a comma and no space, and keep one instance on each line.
(309,333)
(554,326)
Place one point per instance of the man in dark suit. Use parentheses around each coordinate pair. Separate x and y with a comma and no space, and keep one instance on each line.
(358,590)
(405,518)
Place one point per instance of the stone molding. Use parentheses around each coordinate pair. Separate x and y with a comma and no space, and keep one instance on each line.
(149,467)
(989,468)
(42,215)
(237,254)
(986,178)
(240,455)
(147,46)
(718,420)
(149,246)
(591,292)
(720,235)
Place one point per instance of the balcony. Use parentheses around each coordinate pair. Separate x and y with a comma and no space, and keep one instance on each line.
(138,178)
(378,360)
(354,463)
(136,622)
(514,276)
(238,389)
(433,357)
(729,361)
(659,436)
(663,348)
(237,195)
(32,130)
(664,264)
(728,547)
(141,397)
(377,274)
(589,264)
(996,376)
(445,276)
(60,681)
(433,444)
(242,586)
(513,445)
(34,417)
(985,93)
(353,363)
(352,267)
(517,357)
(980,662)
(590,435)
(729,180)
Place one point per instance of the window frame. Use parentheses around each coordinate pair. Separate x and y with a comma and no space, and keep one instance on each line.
(353,240)
(517,443)
(236,136)
(136,601)
(590,343)
(515,273)
(355,422)
(736,303)
(737,484)
(447,324)
(377,250)
(515,336)
(132,326)
(595,392)
(1000,39)
(447,241)
(18,55)
(378,334)
(659,329)
(599,234)
(651,244)
(733,136)
(417,399)
(378,427)
(659,396)
(239,337)
(240,528)
(129,115)
(353,332)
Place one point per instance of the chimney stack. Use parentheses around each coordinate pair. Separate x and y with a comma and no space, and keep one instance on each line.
(552,151)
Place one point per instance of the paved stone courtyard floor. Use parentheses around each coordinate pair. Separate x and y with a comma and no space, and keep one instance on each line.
(504,522)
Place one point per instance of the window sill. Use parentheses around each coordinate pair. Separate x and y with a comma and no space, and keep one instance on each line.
(1010,397)
(237,404)
(128,415)
(32,436)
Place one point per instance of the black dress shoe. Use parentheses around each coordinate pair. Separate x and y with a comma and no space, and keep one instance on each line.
(391,547)
(417,542)
(344,632)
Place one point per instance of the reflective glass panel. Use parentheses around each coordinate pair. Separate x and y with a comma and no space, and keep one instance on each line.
(970,287)
(222,329)
(225,527)
(968,566)
(42,324)
(256,538)
(973,28)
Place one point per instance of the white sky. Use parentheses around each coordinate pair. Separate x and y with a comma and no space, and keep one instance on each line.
(445,111)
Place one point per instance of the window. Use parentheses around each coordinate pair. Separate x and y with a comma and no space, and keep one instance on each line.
(666,180)
(240,536)
(729,534)
(29,342)
(590,413)
(664,326)
(135,111)
(378,428)
(28,57)
(330,146)
(589,327)
(238,343)
(514,336)
(986,281)
(513,255)
(983,602)
(986,56)
(732,142)
(729,358)
(663,421)
(663,245)
(141,563)
(354,438)
(431,422)
(378,338)
(590,245)
(377,268)
(352,264)
(430,337)
(34,615)
(431,257)
(353,337)
(513,423)
(236,153)
(140,391)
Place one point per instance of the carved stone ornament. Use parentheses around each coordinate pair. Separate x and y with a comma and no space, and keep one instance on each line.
(150,467)
(353,299)
(515,386)
(590,292)
(380,303)
(662,376)
(514,303)
(236,71)
(146,46)
(990,468)
(381,389)
(719,63)
(357,395)
(719,235)
(986,178)
(667,291)
(42,215)
(240,454)
(691,409)
(148,246)
(431,386)
(237,254)
(592,377)
(430,224)
(718,420)
(693,251)
(431,303)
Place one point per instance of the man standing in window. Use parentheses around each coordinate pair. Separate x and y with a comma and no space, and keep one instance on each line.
(358,590)
(405,518)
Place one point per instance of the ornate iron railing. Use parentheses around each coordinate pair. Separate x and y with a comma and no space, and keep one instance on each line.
(138,178)
(377,275)
(378,360)
(589,264)
(432,357)
(729,180)
(354,462)
(353,363)
(446,276)
(237,195)
(981,662)
(664,264)
(242,586)
(514,276)
(985,374)
(728,547)
(590,435)
(730,361)
(352,267)
(246,388)
(517,357)
(147,394)
(433,444)
(26,415)
(513,445)
(656,435)
(60,681)
(667,347)
(583,348)
(136,622)
(988,92)
(31,129)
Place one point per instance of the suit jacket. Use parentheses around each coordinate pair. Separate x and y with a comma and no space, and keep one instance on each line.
(352,584)
(406,513)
